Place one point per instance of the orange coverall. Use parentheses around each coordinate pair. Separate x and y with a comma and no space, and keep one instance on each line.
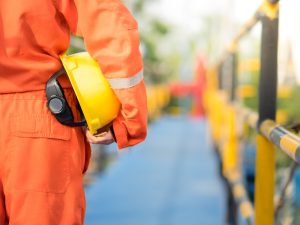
(42,161)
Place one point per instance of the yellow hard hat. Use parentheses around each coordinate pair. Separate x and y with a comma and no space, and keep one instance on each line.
(97,100)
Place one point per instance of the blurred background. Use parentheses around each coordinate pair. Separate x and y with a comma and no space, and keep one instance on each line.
(179,175)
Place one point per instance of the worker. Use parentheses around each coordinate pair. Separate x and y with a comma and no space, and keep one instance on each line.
(41,160)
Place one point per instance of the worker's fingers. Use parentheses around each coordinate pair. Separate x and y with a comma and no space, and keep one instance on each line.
(105,138)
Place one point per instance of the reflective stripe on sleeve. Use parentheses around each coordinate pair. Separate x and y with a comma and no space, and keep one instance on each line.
(119,83)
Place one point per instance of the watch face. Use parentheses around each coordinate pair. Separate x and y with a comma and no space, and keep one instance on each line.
(56,105)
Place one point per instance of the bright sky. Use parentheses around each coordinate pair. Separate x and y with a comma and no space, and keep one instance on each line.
(187,16)
(188,13)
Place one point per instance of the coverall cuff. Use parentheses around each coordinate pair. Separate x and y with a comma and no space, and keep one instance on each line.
(120,132)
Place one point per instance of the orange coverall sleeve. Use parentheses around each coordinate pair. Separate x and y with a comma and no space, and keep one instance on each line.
(111,36)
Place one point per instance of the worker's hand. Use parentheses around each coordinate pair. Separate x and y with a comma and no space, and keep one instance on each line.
(104,138)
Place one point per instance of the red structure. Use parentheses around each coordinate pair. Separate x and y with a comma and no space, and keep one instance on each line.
(194,88)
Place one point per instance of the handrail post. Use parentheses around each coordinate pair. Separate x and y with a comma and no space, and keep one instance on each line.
(265,159)
(233,62)
(230,164)
(220,76)
(231,153)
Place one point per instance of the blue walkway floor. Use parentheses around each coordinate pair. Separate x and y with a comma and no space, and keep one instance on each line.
(171,179)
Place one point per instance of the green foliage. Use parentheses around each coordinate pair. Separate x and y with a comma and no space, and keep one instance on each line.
(291,105)
(138,6)
(159,27)
(72,50)
(282,159)
(160,63)
(250,78)
(76,45)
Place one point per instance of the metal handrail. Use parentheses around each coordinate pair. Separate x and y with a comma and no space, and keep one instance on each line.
(263,121)
(282,138)
(267,8)
(241,197)
(249,116)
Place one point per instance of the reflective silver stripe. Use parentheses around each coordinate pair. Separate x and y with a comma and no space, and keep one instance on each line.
(119,83)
